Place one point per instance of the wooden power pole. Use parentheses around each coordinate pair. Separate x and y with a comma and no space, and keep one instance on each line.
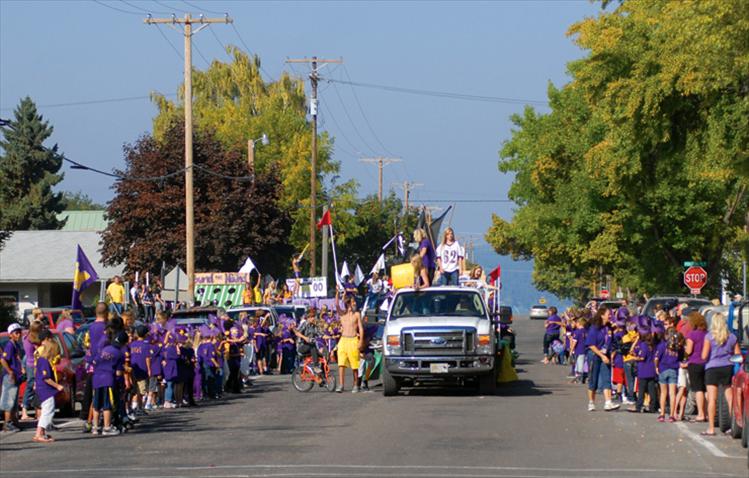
(407,186)
(314,79)
(188,22)
(381,162)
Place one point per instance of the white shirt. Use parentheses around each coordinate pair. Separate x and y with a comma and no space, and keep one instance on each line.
(375,286)
(449,256)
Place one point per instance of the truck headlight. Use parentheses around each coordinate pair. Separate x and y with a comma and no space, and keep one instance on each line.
(393,344)
(484,344)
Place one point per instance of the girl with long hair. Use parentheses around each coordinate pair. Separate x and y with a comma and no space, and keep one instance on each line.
(720,344)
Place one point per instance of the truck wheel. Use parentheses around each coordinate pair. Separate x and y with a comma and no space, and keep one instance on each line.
(736,429)
(68,410)
(488,383)
(724,414)
(745,432)
(390,385)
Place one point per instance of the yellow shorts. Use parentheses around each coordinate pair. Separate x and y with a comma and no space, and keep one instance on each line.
(348,352)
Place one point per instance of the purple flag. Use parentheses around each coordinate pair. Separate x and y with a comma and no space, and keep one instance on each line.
(84,276)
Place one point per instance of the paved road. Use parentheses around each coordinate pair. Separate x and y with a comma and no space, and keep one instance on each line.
(538,427)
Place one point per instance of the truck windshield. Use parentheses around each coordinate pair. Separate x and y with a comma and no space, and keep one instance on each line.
(438,304)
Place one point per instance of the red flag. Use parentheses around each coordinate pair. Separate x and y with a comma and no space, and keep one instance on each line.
(325,221)
(495,274)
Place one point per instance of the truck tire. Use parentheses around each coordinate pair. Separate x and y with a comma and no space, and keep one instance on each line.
(724,414)
(390,385)
(488,383)
(736,429)
(745,432)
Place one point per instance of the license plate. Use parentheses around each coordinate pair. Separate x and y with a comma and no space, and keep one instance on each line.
(438,367)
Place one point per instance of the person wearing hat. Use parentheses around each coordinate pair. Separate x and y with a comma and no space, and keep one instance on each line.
(12,368)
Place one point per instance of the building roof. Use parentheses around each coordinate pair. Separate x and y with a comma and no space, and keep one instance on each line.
(49,256)
(83,220)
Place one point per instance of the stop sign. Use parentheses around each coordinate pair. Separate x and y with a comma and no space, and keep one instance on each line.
(695,278)
(604,293)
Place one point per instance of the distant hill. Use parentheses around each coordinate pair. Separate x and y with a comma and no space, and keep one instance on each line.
(517,285)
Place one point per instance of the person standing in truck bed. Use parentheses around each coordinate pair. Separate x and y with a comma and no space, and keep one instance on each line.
(352,337)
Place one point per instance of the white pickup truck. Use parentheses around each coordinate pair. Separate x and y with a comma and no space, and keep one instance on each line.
(439,334)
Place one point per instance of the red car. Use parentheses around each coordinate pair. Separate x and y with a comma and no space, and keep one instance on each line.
(51,316)
(71,371)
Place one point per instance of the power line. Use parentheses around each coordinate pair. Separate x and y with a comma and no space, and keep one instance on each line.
(249,51)
(223,47)
(343,135)
(95,102)
(366,120)
(143,9)
(117,8)
(202,9)
(77,165)
(169,6)
(200,53)
(353,125)
(441,94)
(158,27)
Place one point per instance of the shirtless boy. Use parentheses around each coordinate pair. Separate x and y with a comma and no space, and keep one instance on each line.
(352,336)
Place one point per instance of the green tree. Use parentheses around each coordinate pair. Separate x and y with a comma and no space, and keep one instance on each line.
(80,201)
(634,170)
(28,172)
(233,218)
(234,101)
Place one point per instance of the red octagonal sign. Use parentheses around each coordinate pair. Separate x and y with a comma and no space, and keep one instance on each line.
(695,278)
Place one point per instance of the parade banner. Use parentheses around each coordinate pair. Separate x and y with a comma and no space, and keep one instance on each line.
(222,289)
(309,287)
(221,278)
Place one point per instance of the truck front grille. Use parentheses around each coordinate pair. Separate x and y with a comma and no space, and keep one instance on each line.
(425,341)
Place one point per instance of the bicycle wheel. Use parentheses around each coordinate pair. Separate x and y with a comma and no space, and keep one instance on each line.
(330,381)
(299,381)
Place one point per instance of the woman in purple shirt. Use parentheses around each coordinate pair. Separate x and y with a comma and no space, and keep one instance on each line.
(598,342)
(695,362)
(719,345)
(426,251)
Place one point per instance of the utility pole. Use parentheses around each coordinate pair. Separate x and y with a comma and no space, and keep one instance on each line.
(313,78)
(407,186)
(188,21)
(381,162)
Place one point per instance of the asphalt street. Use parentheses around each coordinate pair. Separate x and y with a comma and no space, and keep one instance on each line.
(537,427)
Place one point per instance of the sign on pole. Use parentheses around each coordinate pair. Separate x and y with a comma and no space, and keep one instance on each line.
(604,293)
(695,277)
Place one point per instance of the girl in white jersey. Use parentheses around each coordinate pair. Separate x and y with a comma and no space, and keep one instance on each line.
(449,259)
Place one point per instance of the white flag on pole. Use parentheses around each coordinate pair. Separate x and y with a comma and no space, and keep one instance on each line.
(379,265)
(248,266)
(344,271)
(358,275)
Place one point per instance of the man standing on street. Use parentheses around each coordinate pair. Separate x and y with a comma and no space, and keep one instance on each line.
(352,337)
(10,360)
(116,293)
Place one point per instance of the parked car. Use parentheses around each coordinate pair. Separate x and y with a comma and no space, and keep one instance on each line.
(51,316)
(251,310)
(692,302)
(71,371)
(539,311)
(739,418)
(292,311)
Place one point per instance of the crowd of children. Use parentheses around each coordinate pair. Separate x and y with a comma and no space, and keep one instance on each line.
(651,364)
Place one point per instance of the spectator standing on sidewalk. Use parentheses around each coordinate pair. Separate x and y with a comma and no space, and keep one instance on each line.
(116,294)
(598,342)
(12,369)
(720,344)
(695,362)
(553,326)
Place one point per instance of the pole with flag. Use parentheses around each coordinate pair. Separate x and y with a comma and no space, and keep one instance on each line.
(495,277)
(83,276)
(325,221)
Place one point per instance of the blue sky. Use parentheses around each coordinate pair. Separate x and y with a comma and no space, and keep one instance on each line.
(69,51)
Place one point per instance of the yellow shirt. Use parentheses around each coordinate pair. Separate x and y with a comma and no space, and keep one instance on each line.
(116,292)
(247,295)
(633,337)
(258,294)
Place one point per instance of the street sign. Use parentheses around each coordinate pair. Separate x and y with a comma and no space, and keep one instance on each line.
(542,301)
(695,277)
(604,293)
(695,264)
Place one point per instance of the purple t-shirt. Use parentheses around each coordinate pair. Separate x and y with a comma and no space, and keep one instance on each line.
(106,364)
(96,334)
(43,372)
(720,355)
(579,336)
(170,355)
(12,355)
(598,337)
(430,257)
(28,349)
(139,351)
(619,358)
(64,324)
(155,351)
(667,359)
(553,325)
(646,367)
(698,338)
(205,354)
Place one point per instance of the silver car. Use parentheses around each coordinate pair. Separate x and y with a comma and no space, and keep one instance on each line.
(539,312)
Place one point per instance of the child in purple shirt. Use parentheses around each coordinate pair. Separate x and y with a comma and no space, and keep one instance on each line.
(668,355)
(109,363)
(644,353)
(170,355)
(140,365)
(46,386)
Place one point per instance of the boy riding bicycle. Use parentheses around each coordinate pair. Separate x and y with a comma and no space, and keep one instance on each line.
(307,332)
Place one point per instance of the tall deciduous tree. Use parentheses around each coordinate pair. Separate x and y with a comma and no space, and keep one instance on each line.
(642,162)
(233,218)
(28,172)
(234,101)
